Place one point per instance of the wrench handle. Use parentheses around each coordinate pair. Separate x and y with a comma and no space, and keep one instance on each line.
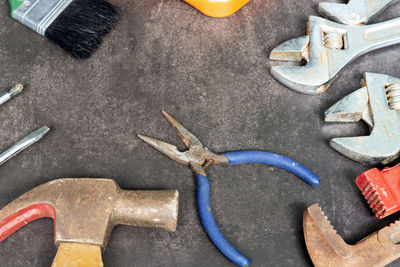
(210,226)
(383,34)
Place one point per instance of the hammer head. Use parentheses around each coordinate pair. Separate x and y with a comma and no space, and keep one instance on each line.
(85,210)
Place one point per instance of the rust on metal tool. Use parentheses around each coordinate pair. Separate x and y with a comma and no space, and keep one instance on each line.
(327,248)
(197,157)
(85,210)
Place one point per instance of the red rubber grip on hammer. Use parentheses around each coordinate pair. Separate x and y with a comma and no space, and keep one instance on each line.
(24,216)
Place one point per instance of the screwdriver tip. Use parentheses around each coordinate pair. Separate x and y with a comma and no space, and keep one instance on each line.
(16,89)
(39,133)
(45,128)
(19,86)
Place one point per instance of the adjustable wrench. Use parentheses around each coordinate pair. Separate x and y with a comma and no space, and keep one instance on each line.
(355,12)
(327,248)
(327,48)
(378,104)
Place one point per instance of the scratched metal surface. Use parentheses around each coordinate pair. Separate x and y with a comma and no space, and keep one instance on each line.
(211,75)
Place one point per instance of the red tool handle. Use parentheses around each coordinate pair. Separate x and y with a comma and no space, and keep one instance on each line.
(381,189)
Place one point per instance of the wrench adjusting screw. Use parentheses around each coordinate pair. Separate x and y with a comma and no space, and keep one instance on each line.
(393,96)
(333,40)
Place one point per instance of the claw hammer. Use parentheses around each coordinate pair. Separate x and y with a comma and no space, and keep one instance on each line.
(85,211)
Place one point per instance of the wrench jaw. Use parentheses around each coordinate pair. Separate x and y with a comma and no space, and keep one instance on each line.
(298,78)
(324,245)
(327,248)
(322,49)
(312,78)
(356,12)
(371,105)
(343,13)
(367,149)
(292,50)
(352,108)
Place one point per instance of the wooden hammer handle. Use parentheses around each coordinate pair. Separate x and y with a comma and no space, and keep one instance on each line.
(78,255)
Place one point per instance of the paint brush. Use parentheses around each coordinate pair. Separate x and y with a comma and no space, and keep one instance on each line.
(77,26)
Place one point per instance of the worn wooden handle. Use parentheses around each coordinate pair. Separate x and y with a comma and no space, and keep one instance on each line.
(78,255)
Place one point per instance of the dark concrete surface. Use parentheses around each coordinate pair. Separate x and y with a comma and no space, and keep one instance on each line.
(211,75)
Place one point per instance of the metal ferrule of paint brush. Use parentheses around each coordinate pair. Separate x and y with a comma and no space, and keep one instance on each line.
(22,144)
(39,14)
(4,97)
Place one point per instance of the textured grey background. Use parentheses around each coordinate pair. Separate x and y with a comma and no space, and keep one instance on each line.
(210,74)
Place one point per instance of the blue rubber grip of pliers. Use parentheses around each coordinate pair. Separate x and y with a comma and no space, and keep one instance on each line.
(280,161)
(208,221)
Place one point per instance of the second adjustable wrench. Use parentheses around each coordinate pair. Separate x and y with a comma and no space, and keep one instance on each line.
(377,104)
(327,48)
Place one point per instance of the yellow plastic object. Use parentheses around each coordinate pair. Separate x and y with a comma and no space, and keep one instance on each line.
(78,255)
(218,8)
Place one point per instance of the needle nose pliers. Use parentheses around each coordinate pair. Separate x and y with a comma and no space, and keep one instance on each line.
(199,157)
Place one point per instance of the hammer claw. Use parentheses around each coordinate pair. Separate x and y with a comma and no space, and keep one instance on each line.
(24,216)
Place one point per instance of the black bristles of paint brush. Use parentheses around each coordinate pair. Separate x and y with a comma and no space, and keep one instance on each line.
(80,27)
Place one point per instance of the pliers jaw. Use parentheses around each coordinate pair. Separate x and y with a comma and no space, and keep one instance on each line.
(197,155)
(201,158)
(372,105)
(169,150)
